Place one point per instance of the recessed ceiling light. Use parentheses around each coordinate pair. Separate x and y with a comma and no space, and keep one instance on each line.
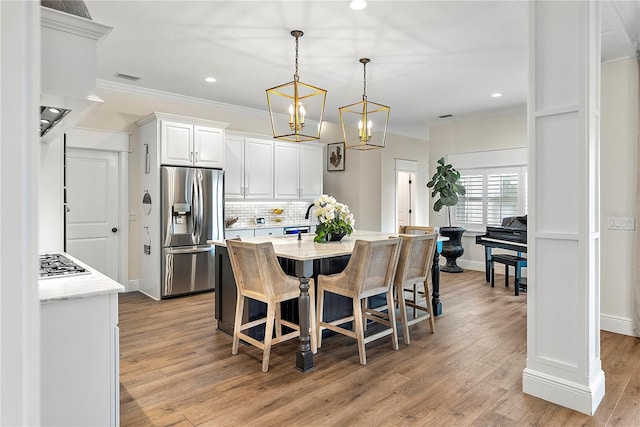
(358,4)
(210,79)
(496,95)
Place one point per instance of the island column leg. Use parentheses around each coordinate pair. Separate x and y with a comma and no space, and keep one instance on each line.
(435,282)
(304,356)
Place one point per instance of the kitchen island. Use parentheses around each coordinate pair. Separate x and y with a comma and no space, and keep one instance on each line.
(79,347)
(299,257)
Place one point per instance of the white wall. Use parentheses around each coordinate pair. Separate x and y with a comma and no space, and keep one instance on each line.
(508,130)
(368,183)
(619,166)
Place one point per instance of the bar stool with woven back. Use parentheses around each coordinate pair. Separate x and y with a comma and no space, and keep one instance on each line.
(414,269)
(416,229)
(369,272)
(259,276)
(420,229)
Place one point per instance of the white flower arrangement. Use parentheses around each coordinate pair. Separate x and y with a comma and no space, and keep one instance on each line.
(334,219)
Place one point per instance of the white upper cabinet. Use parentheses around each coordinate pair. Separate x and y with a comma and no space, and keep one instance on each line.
(298,171)
(188,144)
(311,167)
(234,167)
(208,145)
(177,144)
(248,168)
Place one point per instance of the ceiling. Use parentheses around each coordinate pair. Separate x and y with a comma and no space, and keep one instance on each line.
(428,58)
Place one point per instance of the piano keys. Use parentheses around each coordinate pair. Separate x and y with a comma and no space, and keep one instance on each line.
(512,237)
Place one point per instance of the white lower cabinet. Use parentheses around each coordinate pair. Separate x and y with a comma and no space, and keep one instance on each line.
(238,234)
(80,361)
(262,232)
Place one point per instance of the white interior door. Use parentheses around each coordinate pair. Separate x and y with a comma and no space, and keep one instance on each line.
(405,198)
(92,208)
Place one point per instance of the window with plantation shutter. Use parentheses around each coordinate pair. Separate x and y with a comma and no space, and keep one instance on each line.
(491,195)
(502,197)
(469,208)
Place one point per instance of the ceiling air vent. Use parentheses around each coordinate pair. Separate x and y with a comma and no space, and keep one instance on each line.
(127,76)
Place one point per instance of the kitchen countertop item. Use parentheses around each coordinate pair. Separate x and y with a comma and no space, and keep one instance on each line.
(228,222)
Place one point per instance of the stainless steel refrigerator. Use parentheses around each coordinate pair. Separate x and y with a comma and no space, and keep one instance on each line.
(192,213)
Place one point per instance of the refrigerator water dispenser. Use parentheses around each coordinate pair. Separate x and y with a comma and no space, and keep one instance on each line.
(181,224)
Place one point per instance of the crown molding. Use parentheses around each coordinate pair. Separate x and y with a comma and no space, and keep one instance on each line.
(169,96)
(73,24)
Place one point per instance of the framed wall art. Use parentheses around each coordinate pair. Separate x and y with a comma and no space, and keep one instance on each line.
(335,157)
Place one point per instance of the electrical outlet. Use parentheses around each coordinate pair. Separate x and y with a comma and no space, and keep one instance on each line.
(133,216)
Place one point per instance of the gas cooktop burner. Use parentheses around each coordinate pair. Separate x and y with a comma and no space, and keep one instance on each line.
(56,265)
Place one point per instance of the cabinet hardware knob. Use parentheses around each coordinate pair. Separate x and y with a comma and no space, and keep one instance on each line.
(114,229)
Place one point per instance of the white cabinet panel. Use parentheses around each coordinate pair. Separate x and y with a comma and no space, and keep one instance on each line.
(208,144)
(185,144)
(258,169)
(79,380)
(298,171)
(177,143)
(234,167)
(248,168)
(234,234)
(287,171)
(311,167)
(271,231)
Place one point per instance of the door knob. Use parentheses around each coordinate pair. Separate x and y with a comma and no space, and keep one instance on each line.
(114,229)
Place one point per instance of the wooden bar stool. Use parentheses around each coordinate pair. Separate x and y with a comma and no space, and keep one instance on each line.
(509,261)
(370,271)
(259,276)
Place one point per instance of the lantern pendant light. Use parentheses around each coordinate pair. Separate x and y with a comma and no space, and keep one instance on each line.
(296,109)
(364,124)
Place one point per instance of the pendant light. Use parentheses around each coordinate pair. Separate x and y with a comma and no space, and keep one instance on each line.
(296,109)
(364,124)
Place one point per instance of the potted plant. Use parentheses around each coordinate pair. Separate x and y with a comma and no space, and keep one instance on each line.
(335,220)
(445,186)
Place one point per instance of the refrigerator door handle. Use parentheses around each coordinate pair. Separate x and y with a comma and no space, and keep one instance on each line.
(188,250)
(200,206)
(197,206)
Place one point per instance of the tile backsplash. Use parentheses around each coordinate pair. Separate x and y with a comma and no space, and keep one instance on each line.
(247,212)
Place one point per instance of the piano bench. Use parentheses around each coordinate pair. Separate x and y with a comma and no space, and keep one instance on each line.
(509,261)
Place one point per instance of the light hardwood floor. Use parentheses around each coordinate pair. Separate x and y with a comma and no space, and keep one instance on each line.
(176,369)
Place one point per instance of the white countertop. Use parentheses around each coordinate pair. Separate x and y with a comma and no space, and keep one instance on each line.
(81,286)
(288,246)
(306,249)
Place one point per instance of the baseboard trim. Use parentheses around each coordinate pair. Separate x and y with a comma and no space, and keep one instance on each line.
(571,395)
(616,324)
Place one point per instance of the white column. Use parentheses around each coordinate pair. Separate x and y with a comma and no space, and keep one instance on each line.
(19,164)
(563,329)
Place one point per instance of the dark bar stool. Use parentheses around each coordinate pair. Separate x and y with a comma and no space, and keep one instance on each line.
(509,261)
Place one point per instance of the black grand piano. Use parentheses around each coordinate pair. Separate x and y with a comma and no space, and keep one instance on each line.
(511,235)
